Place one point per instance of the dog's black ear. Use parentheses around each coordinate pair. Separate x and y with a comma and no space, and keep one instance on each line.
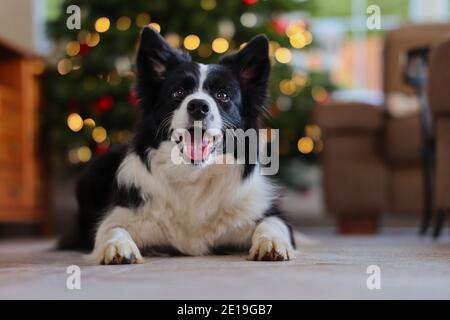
(251,64)
(155,58)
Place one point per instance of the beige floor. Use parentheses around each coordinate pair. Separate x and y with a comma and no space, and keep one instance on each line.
(334,268)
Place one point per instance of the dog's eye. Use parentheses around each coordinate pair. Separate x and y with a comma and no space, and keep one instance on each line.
(179,93)
(222,96)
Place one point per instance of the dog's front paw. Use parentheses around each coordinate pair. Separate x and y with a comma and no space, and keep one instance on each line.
(267,249)
(122,251)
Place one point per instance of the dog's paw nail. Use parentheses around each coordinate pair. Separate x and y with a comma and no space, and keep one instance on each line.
(124,252)
(270,250)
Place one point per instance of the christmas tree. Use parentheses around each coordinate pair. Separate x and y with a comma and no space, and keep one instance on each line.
(90,97)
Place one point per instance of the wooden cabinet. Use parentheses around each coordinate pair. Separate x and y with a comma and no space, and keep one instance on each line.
(23,187)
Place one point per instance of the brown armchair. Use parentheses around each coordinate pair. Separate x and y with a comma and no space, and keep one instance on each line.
(371,160)
(439,102)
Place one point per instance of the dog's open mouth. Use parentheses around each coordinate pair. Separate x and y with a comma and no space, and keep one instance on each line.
(197,143)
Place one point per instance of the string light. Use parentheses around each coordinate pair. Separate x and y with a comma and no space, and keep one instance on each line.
(64,66)
(313,131)
(76,66)
(191,42)
(123,23)
(74,122)
(72,48)
(283,55)
(173,39)
(93,40)
(273,46)
(89,122)
(319,94)
(287,87)
(84,154)
(249,19)
(102,24)
(99,134)
(142,19)
(308,37)
(220,45)
(83,36)
(155,26)
(295,28)
(300,79)
(305,145)
(298,40)
(208,4)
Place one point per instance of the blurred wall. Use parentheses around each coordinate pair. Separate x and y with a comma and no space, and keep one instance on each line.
(16,23)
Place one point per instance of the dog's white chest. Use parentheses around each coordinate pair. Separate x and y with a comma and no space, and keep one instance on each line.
(194,209)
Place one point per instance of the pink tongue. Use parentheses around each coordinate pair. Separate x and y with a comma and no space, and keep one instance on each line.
(197,151)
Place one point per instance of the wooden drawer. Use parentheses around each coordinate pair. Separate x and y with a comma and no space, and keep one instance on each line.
(10,150)
(11,186)
(10,113)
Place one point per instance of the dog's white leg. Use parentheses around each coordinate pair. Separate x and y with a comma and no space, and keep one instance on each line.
(271,241)
(113,242)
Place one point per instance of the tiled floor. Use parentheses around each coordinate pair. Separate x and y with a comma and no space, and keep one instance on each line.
(333,268)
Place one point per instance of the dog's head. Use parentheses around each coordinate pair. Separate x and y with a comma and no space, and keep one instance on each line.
(194,104)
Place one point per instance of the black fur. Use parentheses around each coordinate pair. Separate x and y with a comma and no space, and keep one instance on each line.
(161,70)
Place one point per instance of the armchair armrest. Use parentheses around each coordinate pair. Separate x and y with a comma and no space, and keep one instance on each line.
(354,174)
(349,116)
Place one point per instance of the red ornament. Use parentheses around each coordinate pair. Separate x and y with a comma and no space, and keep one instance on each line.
(133,98)
(104,103)
(249,2)
(101,148)
(84,50)
(279,25)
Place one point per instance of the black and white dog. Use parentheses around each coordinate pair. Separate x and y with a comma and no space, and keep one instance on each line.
(136,198)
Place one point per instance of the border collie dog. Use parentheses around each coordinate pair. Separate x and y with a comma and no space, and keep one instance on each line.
(136,199)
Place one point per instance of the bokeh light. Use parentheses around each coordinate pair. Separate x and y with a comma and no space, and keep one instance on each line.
(102,24)
(74,122)
(99,134)
(298,40)
(305,145)
(287,87)
(83,36)
(191,42)
(173,39)
(93,40)
(84,154)
(319,94)
(123,23)
(283,55)
(220,45)
(249,19)
(89,122)
(142,19)
(64,66)
(208,4)
(72,48)
(313,131)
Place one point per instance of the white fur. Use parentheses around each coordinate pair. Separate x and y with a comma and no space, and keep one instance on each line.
(271,241)
(192,209)
(180,118)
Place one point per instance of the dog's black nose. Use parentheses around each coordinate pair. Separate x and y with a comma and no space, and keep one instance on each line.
(198,109)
